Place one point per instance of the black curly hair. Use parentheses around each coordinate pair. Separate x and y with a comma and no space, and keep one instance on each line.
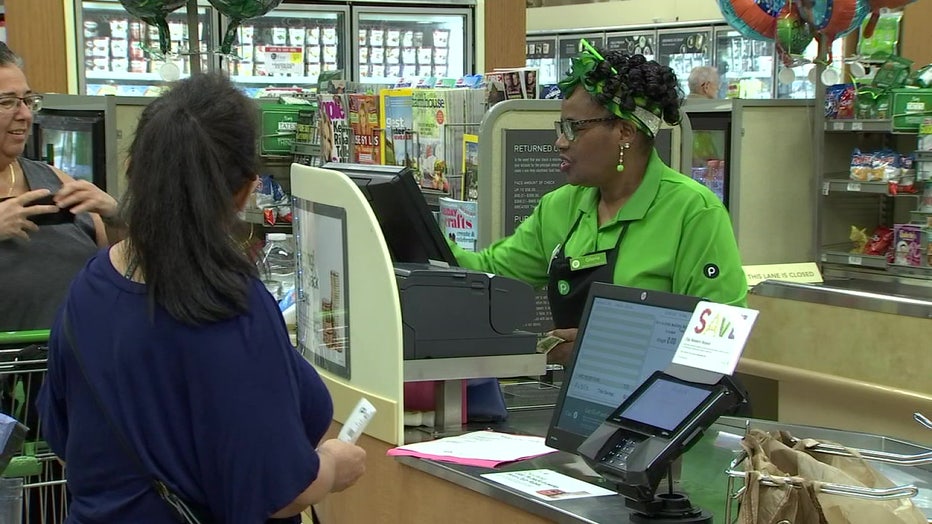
(638,78)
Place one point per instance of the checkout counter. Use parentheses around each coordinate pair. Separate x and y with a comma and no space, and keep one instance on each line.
(408,489)
(780,354)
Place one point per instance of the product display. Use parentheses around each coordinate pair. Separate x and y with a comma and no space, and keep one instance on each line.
(121,54)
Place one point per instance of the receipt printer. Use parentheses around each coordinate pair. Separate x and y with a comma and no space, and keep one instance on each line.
(456,312)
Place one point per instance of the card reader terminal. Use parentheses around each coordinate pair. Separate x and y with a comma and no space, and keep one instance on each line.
(657,423)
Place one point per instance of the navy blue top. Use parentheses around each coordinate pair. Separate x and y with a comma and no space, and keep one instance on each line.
(227,414)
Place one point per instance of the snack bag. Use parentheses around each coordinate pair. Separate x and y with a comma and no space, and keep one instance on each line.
(860,166)
(886,36)
(880,242)
(893,73)
(832,96)
(846,96)
(885,166)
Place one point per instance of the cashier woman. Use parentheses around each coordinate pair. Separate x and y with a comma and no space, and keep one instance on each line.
(624,217)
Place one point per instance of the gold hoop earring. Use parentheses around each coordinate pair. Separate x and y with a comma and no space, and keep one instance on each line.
(621,156)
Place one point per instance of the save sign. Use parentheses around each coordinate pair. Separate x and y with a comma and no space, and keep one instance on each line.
(715,337)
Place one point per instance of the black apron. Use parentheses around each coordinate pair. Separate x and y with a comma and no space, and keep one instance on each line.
(570,279)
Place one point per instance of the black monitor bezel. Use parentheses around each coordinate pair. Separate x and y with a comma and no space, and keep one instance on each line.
(406,177)
(618,416)
(557,436)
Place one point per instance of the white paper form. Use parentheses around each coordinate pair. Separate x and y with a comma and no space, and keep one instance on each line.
(548,485)
(479,445)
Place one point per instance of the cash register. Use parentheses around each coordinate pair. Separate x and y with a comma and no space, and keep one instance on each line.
(447,311)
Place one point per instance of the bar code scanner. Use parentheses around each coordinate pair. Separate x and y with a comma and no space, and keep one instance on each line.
(637,444)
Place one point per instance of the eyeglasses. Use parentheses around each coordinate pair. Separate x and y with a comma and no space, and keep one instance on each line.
(569,128)
(11,103)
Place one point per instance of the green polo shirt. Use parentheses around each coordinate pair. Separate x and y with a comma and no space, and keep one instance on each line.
(679,239)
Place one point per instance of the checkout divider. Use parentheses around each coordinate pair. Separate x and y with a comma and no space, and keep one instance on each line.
(374,370)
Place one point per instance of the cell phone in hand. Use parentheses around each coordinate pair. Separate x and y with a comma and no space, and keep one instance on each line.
(63,216)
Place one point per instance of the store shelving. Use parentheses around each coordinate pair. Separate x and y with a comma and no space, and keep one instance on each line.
(845,204)
(848,125)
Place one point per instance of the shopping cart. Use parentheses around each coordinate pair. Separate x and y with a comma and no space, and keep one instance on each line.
(23,358)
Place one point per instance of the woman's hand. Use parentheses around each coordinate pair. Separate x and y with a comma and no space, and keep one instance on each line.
(81,196)
(561,353)
(349,461)
(15,213)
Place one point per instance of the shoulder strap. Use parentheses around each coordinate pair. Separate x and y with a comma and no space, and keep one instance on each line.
(182,509)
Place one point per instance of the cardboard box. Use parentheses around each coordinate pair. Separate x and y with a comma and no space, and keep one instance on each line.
(910,107)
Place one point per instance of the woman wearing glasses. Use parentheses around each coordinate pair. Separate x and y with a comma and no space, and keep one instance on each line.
(624,217)
(37,262)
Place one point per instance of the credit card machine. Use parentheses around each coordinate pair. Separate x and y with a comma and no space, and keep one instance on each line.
(657,423)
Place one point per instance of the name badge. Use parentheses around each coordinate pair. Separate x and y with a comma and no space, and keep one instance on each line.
(588,261)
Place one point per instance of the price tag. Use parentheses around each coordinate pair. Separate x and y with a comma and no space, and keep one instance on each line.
(854,186)
(857,126)
(854,261)
(838,126)
(825,188)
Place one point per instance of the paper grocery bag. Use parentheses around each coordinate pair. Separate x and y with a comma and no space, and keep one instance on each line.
(779,455)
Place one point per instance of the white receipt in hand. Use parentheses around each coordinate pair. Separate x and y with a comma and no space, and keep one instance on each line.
(357,421)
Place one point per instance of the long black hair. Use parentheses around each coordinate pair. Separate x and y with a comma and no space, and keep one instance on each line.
(194,148)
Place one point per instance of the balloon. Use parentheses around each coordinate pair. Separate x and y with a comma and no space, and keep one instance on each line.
(238,11)
(834,18)
(792,34)
(755,19)
(153,12)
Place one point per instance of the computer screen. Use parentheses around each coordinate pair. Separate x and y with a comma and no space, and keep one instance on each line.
(625,335)
(410,229)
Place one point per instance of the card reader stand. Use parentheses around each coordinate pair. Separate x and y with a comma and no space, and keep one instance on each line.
(639,442)
(450,373)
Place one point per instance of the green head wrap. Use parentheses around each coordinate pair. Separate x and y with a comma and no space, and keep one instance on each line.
(646,118)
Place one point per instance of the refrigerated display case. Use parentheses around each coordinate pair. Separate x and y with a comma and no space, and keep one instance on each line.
(711,151)
(290,46)
(745,64)
(393,42)
(112,44)
(542,54)
(634,42)
(683,49)
(71,133)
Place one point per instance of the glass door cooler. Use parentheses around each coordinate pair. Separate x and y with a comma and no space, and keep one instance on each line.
(710,150)
(393,42)
(70,133)
(289,47)
(746,67)
(112,48)
(683,49)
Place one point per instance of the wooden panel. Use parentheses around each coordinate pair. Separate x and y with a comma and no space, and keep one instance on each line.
(36,32)
(916,39)
(505,28)
(392,492)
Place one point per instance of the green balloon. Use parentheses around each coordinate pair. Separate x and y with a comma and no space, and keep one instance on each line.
(793,34)
(238,11)
(153,12)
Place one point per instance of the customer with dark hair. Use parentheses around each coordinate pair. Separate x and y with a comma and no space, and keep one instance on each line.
(198,384)
(644,224)
(37,263)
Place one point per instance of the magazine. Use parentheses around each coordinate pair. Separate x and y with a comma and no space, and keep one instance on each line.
(364,123)
(459,221)
(333,128)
